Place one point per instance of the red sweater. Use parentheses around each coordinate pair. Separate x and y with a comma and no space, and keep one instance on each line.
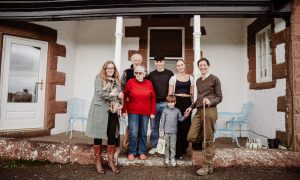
(139,98)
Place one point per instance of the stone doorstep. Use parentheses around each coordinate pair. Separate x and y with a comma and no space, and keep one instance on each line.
(152,160)
(68,152)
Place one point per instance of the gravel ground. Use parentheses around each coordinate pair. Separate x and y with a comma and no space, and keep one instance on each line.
(42,170)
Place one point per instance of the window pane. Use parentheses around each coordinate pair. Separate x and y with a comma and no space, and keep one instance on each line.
(23,73)
(166,42)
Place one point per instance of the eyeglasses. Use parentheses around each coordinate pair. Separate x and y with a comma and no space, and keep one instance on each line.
(138,73)
(110,68)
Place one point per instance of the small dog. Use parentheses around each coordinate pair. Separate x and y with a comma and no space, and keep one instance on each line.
(110,86)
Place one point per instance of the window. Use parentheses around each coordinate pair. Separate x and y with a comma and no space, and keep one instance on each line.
(263,55)
(167,42)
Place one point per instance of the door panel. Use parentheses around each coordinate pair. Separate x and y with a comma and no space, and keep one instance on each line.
(23,72)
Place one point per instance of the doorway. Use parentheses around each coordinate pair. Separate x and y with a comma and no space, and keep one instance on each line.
(23,75)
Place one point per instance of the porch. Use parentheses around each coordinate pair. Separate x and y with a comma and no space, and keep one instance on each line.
(60,148)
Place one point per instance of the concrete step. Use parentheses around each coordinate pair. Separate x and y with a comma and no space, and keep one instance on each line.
(152,160)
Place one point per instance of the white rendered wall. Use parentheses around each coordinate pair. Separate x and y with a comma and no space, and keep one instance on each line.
(66,36)
(225,47)
(265,119)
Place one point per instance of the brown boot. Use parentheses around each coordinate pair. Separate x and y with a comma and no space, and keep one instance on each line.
(110,153)
(98,159)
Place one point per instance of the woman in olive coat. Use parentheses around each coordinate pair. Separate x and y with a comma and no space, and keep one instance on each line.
(103,120)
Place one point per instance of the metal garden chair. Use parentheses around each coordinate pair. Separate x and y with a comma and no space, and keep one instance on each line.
(76,113)
(235,119)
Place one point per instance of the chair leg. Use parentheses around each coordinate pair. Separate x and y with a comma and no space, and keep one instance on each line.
(71,134)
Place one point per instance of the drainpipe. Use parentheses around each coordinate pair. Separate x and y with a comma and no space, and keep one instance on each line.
(196,35)
(118,45)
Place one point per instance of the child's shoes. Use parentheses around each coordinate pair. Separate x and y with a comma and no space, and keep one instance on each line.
(173,162)
(167,161)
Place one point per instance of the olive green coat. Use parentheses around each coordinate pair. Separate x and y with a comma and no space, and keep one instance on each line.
(98,113)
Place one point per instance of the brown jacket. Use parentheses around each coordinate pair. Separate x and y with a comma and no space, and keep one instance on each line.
(209,88)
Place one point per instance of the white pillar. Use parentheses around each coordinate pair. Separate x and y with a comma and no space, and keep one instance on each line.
(118,45)
(196,35)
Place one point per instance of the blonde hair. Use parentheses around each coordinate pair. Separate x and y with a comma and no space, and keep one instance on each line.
(181,61)
(103,75)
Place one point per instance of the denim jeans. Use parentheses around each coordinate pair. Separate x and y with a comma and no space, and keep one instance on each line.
(154,123)
(137,126)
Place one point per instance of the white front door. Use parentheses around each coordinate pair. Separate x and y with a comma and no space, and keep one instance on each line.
(23,74)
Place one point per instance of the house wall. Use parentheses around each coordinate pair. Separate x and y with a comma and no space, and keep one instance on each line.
(265,119)
(90,43)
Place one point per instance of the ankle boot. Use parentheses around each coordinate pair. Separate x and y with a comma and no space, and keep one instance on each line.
(98,159)
(110,153)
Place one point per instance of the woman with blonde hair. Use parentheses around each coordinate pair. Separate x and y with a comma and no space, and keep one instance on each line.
(181,85)
(103,119)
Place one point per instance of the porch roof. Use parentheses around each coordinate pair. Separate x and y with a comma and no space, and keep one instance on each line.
(92,9)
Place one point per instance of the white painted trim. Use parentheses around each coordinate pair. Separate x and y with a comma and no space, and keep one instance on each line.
(268,78)
(197,49)
(118,44)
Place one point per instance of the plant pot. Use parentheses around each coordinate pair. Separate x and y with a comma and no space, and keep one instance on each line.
(273,143)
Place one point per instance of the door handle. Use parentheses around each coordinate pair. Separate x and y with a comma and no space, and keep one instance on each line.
(40,83)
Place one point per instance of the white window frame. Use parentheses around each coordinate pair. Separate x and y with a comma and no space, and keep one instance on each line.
(167,28)
(263,55)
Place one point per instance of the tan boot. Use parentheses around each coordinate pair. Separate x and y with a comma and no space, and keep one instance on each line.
(110,153)
(206,169)
(98,159)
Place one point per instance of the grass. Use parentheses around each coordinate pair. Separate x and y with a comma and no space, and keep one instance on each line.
(21,163)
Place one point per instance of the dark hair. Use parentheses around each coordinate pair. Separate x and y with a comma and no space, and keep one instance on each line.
(203,59)
(159,58)
(171,98)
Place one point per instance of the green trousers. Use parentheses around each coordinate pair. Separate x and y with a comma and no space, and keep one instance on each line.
(196,132)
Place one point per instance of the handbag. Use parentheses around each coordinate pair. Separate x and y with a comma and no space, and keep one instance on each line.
(161,146)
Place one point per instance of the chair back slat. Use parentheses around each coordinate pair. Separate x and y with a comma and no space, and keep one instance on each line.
(76,107)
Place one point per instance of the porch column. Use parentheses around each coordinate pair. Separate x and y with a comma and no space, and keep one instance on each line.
(118,46)
(196,35)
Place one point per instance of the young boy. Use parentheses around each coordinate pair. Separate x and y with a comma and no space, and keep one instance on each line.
(168,128)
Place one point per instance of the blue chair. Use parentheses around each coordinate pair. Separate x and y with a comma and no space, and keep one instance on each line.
(235,119)
(76,113)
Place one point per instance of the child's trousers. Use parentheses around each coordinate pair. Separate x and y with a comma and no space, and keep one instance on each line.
(170,151)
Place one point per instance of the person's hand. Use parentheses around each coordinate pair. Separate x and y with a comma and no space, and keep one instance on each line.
(187,111)
(186,114)
(152,116)
(113,93)
(161,134)
(124,115)
(121,95)
(206,101)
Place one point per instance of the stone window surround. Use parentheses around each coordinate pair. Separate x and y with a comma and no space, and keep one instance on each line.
(279,71)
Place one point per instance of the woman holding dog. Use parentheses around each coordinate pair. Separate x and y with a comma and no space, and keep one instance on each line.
(140,105)
(102,120)
(209,94)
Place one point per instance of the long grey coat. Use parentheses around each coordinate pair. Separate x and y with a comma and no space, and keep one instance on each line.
(98,113)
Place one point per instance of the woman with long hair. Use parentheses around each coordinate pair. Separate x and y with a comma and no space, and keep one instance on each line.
(103,118)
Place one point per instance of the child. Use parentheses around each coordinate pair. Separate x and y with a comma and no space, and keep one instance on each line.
(168,128)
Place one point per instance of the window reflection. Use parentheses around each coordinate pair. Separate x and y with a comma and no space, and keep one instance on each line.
(23,73)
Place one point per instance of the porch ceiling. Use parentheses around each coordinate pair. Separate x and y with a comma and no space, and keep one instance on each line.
(92,9)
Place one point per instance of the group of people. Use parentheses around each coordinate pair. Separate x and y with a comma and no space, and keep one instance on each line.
(164,99)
